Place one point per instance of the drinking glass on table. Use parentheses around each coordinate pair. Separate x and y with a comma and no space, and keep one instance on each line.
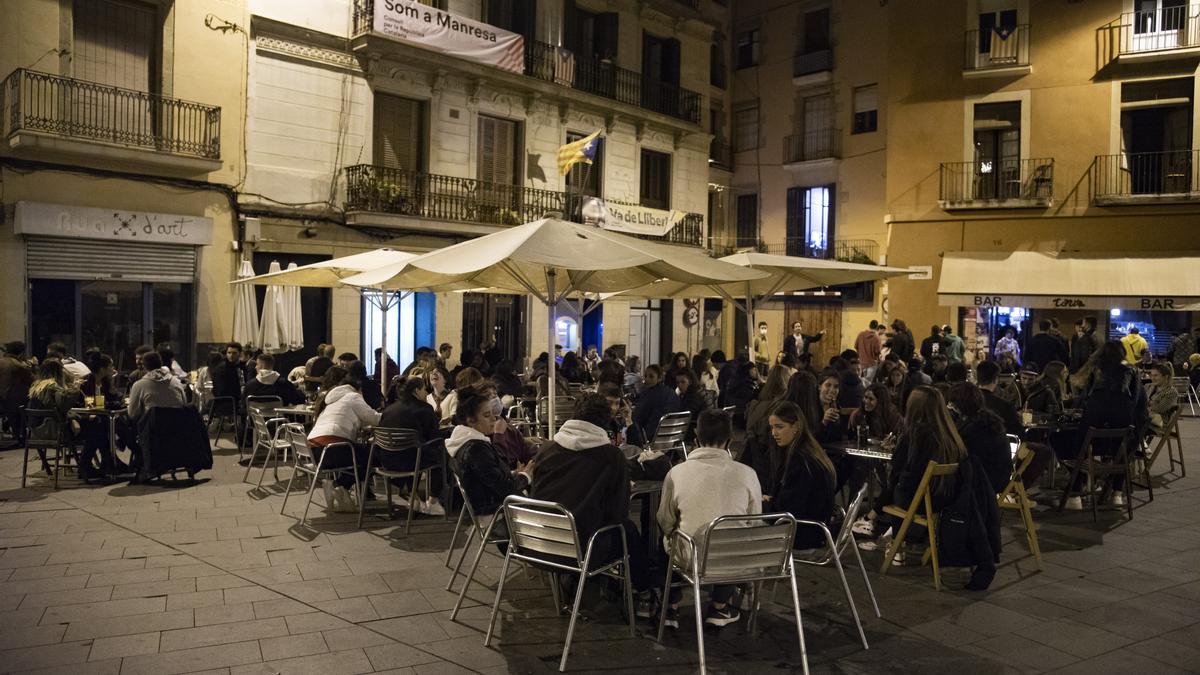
(89,401)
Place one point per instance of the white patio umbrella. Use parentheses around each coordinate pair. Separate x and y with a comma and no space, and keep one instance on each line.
(293,315)
(272,327)
(783,273)
(552,259)
(245,308)
(329,274)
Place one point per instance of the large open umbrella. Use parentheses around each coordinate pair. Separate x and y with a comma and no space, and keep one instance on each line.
(782,273)
(245,308)
(272,327)
(329,274)
(551,259)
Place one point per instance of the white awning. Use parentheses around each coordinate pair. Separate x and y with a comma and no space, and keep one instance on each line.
(1037,280)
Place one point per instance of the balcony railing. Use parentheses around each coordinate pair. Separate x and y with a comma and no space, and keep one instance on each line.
(720,154)
(1004,183)
(811,146)
(604,78)
(997,49)
(1159,30)
(865,251)
(812,62)
(1167,176)
(436,197)
(71,108)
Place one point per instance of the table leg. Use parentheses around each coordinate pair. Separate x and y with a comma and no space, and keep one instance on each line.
(112,446)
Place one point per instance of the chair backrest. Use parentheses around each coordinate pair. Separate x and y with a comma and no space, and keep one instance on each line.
(390,439)
(298,437)
(542,532)
(564,407)
(672,427)
(1121,435)
(1014,444)
(259,420)
(745,548)
(268,404)
(221,405)
(1182,386)
(932,470)
(43,427)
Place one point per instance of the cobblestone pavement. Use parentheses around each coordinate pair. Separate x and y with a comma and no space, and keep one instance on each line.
(210,577)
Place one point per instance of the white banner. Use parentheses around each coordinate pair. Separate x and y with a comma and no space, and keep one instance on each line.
(629,218)
(1091,302)
(60,220)
(432,28)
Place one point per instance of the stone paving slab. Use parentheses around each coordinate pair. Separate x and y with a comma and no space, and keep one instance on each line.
(209,577)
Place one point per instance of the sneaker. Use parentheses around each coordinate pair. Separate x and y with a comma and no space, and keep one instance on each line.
(863,526)
(672,619)
(898,559)
(645,606)
(880,544)
(1074,503)
(431,507)
(1118,499)
(722,617)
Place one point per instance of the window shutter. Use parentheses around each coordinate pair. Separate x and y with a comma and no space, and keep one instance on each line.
(497,150)
(115,43)
(865,99)
(398,129)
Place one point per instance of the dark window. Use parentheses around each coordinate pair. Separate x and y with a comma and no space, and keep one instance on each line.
(516,16)
(590,34)
(816,30)
(585,179)
(866,109)
(810,221)
(747,47)
(747,220)
(716,62)
(656,179)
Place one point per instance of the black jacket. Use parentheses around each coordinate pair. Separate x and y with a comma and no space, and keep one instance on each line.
(806,490)
(409,413)
(1043,397)
(789,343)
(850,391)
(1006,411)
(969,523)
(486,477)
(1044,348)
(1081,349)
(654,402)
(285,390)
(991,448)
(170,439)
(592,483)
(928,344)
(902,346)
(228,380)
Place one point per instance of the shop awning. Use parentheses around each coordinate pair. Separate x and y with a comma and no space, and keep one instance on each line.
(1153,281)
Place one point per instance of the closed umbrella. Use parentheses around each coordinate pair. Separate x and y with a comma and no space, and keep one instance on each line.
(245,308)
(552,259)
(272,327)
(295,315)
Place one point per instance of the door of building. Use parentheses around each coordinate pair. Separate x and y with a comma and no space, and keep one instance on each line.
(488,317)
(817,315)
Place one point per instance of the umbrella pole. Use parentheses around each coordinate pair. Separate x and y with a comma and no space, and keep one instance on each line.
(383,355)
(750,324)
(551,365)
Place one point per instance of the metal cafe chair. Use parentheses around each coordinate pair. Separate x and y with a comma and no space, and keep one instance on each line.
(670,433)
(543,534)
(749,549)
(389,447)
(477,528)
(564,407)
(1187,393)
(270,442)
(303,462)
(222,409)
(834,548)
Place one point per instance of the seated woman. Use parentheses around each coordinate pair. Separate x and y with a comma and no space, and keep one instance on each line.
(892,375)
(878,413)
(508,384)
(95,429)
(411,411)
(465,379)
(54,391)
(1049,391)
(1161,395)
(982,432)
(801,477)
(485,475)
(691,399)
(341,415)
(437,379)
(832,427)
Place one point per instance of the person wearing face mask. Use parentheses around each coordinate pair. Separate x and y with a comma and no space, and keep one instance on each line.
(485,475)
(762,349)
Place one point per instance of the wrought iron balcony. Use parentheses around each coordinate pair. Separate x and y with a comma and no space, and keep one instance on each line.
(1009,183)
(604,78)
(997,50)
(812,145)
(449,198)
(1147,176)
(66,107)
(812,62)
(1153,34)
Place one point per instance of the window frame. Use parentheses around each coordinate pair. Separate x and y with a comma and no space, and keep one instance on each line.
(653,201)
(754,42)
(737,127)
(864,121)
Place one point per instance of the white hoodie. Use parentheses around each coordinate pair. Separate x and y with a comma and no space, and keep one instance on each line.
(462,435)
(580,435)
(344,414)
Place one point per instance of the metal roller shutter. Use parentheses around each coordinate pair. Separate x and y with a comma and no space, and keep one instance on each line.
(84,259)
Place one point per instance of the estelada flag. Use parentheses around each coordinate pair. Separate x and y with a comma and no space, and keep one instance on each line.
(582,150)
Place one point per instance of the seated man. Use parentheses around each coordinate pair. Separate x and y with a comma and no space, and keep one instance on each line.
(159,388)
(582,470)
(708,485)
(987,375)
(267,382)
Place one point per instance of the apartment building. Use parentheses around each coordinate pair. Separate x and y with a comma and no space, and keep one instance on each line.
(1067,128)
(121,148)
(808,138)
(417,145)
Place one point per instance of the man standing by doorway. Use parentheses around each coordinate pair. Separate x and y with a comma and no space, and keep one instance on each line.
(762,349)
(797,343)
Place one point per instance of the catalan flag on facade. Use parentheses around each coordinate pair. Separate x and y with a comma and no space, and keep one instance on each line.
(582,150)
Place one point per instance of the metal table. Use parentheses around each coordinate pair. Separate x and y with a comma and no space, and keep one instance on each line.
(648,491)
(111,415)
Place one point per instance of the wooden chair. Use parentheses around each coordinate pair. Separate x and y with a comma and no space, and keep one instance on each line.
(1173,442)
(922,500)
(1014,497)
(1116,464)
